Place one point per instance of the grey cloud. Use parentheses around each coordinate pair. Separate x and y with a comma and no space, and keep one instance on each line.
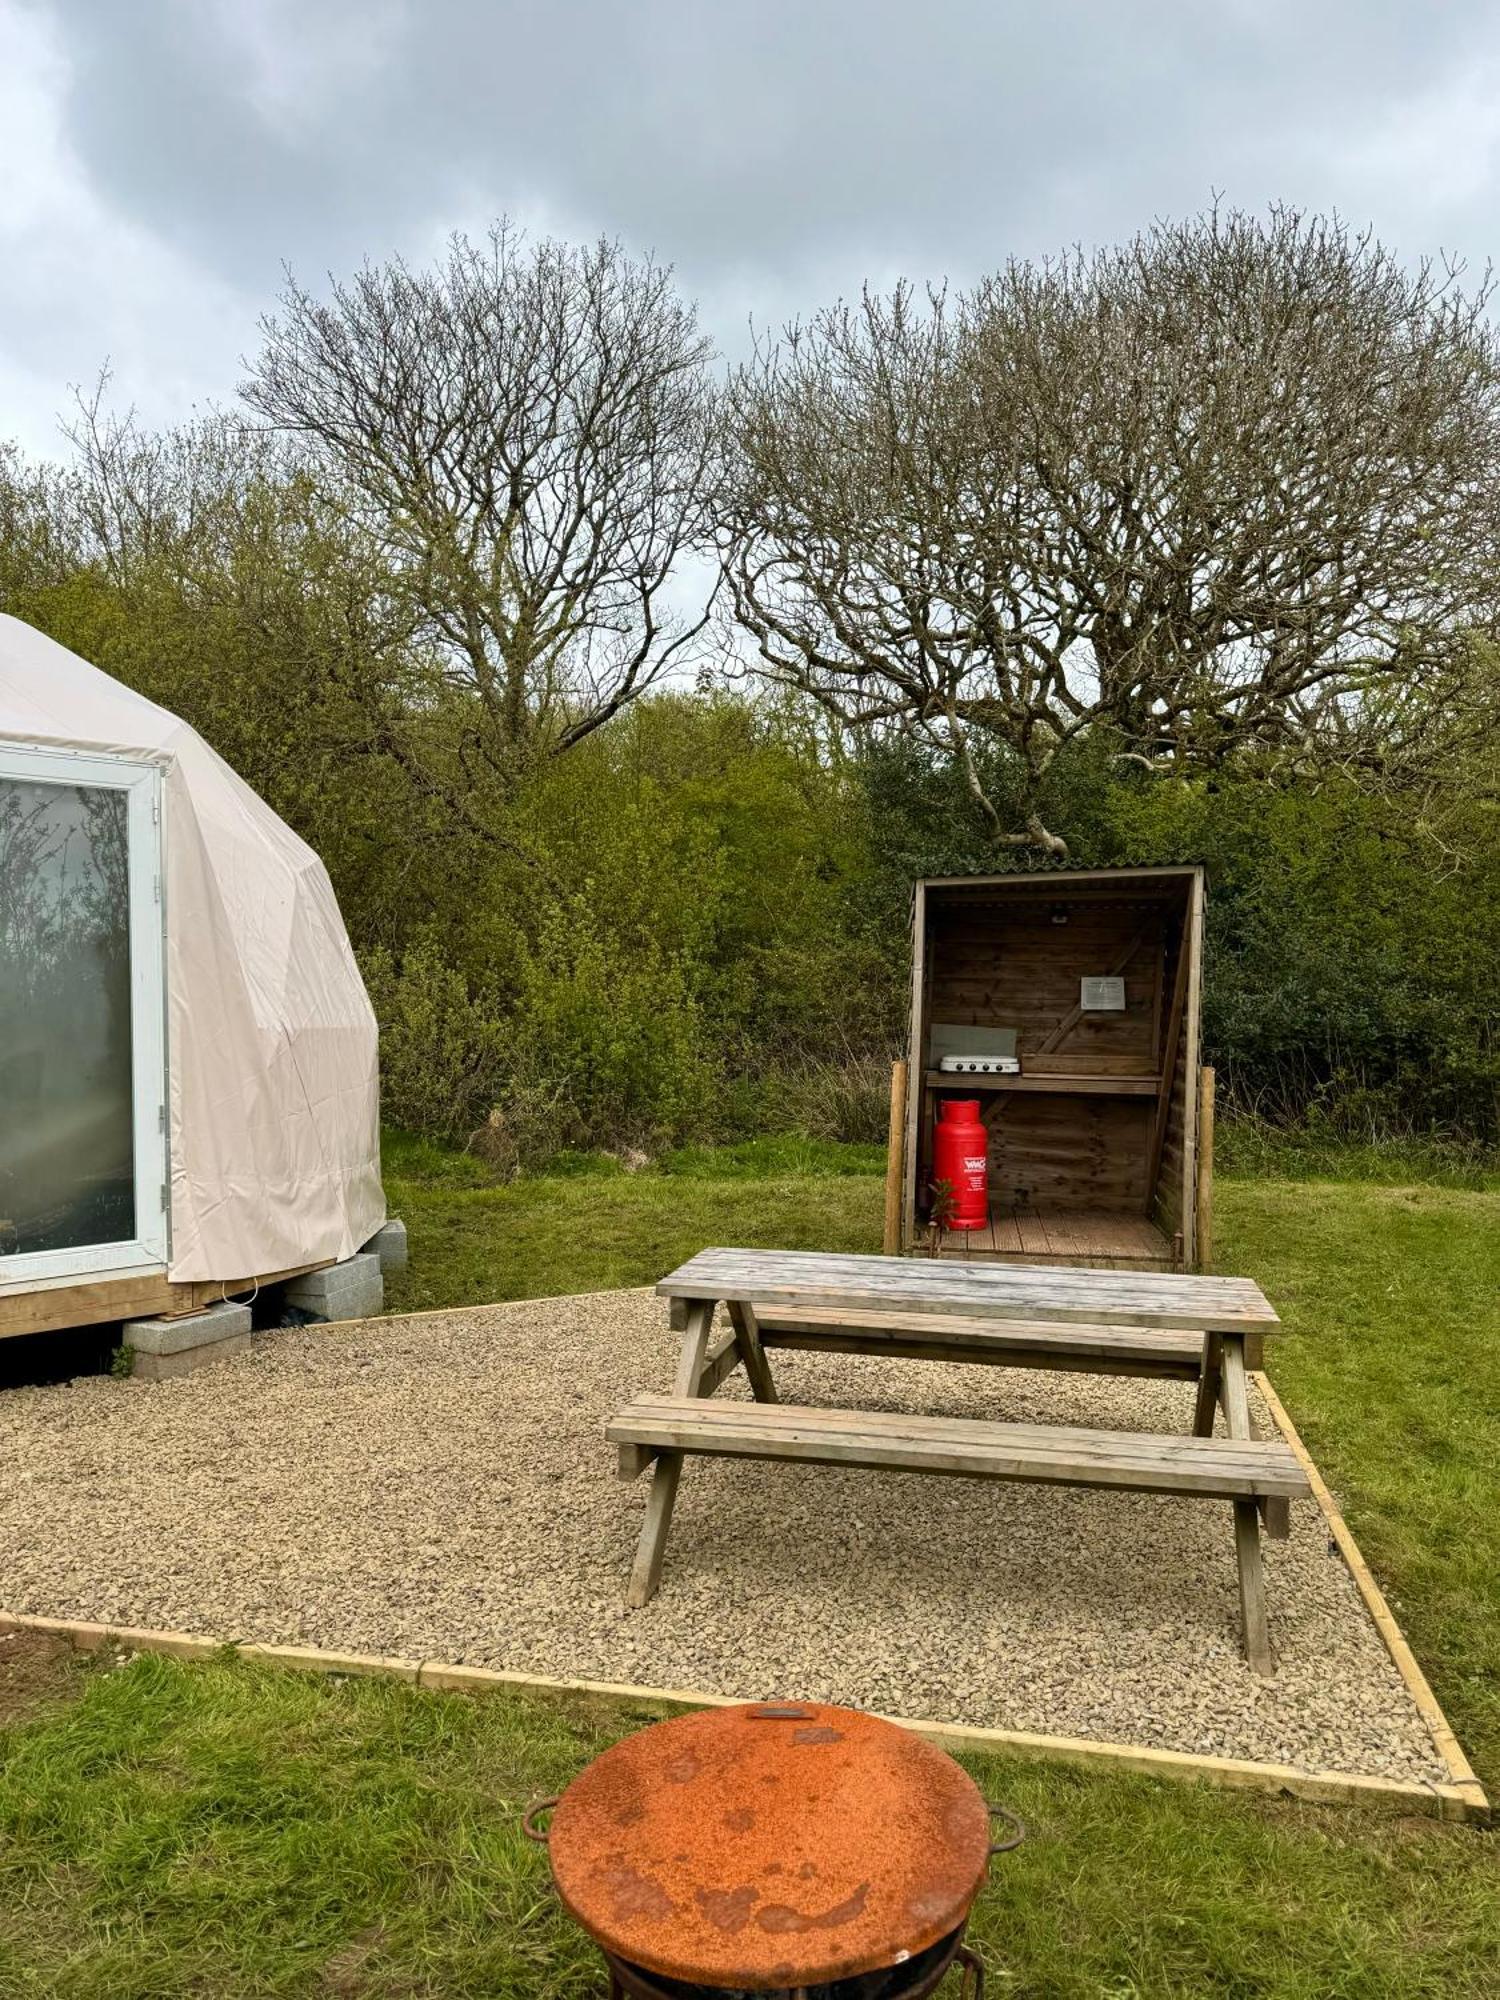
(773,151)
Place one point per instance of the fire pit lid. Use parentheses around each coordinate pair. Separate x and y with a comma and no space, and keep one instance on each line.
(770,1845)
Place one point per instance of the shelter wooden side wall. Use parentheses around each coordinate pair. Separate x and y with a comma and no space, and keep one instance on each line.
(1174,1195)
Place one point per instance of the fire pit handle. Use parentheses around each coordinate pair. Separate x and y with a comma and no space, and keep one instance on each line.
(529,1819)
(1007,1846)
(973,1968)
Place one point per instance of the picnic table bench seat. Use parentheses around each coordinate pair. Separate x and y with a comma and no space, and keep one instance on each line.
(1046,1454)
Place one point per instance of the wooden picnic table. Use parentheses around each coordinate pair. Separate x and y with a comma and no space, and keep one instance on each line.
(1184,1327)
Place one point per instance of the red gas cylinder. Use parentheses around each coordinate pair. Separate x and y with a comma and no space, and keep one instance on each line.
(960,1156)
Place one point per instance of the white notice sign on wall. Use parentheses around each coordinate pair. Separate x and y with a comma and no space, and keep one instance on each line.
(1102,996)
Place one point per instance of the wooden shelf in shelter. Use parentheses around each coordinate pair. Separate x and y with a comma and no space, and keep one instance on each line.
(1059,1085)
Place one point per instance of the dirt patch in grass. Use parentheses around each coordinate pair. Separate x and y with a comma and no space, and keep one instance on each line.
(344,1976)
(36,1669)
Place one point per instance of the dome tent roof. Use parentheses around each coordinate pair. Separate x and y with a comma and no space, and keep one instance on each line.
(273,1088)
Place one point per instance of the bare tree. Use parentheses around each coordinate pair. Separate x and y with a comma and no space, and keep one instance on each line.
(527,433)
(1226,492)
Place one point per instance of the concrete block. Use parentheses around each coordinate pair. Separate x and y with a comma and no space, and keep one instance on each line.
(163,1348)
(162,1367)
(351,1290)
(389,1244)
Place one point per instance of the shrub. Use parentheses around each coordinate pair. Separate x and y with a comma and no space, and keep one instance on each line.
(621,1025)
(442,1049)
(847,1099)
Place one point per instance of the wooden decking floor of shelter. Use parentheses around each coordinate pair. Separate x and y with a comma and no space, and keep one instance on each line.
(1100,1237)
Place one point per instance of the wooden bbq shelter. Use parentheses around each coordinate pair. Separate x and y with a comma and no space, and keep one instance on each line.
(1086,984)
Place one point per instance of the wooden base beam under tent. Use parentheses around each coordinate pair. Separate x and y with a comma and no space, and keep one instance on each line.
(145,1295)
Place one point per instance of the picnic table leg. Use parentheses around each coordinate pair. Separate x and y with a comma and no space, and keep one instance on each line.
(1275,1512)
(1246,1512)
(1252,1585)
(1208,1385)
(747,1332)
(668,1468)
(652,1546)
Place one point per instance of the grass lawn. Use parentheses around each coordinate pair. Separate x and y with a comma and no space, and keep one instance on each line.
(224,1829)
(474,1242)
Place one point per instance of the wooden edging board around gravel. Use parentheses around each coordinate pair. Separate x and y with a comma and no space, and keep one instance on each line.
(1462,1781)
(1464,1801)
(1460,1797)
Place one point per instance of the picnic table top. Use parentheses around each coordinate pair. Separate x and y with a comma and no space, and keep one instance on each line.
(994,1291)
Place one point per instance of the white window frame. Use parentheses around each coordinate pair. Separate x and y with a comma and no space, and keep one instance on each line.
(149,1248)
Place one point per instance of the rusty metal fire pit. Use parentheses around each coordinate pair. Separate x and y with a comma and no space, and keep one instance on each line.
(772,1848)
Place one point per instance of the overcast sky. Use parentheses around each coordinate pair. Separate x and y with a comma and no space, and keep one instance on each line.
(160,160)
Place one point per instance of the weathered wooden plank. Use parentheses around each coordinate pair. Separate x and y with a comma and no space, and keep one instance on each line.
(144,1295)
(652,1546)
(1018,1354)
(720,1364)
(634,1458)
(1101,883)
(689,1384)
(1162,1261)
(984,1332)
(1192,1056)
(1204,1260)
(1252,1586)
(1005,1237)
(1234,1390)
(1053,1293)
(1063,1062)
(916,1096)
(689,1378)
(1040,1454)
(1169,1066)
(85,1304)
(1063,1236)
(1072,1083)
(1238,1422)
(747,1336)
(1033,1233)
(1066,1439)
(1068,1151)
(1102,1242)
(895,1155)
(1211,1374)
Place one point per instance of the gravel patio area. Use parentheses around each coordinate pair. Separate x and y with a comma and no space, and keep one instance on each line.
(439,1488)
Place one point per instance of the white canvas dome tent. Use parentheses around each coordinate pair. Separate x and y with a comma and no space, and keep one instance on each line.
(189,1095)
